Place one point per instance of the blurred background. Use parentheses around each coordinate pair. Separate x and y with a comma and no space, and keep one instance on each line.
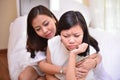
(103,14)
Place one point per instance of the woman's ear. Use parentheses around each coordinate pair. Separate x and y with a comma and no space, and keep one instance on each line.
(54,20)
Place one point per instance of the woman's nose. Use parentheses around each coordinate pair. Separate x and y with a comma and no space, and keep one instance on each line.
(45,30)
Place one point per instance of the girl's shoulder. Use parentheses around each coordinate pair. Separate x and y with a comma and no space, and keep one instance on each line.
(92,50)
(55,39)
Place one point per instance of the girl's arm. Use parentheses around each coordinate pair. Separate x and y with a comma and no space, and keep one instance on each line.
(71,67)
(70,73)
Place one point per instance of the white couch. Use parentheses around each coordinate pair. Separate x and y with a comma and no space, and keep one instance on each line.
(18,56)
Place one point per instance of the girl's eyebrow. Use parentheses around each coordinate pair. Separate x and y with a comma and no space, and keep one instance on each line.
(78,33)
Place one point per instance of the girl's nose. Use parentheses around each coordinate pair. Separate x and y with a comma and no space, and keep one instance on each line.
(71,40)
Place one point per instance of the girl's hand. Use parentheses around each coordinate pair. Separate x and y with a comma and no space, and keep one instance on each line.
(81,48)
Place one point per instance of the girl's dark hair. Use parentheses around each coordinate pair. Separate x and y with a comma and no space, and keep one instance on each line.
(72,18)
(35,42)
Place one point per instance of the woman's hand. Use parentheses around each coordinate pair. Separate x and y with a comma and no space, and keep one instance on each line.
(88,64)
(81,73)
(83,67)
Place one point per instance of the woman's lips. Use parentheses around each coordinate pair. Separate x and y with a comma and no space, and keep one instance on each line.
(49,35)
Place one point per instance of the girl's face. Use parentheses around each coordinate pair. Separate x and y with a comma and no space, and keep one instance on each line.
(44,26)
(72,37)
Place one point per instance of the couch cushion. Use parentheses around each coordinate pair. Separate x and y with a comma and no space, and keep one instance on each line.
(110,50)
(17,54)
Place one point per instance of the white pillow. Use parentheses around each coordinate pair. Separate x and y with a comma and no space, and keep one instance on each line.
(110,50)
(17,54)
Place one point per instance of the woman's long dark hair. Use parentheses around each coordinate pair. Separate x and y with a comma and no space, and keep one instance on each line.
(35,42)
(72,18)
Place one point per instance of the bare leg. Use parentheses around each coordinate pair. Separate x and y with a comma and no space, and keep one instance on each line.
(41,78)
(51,77)
(29,73)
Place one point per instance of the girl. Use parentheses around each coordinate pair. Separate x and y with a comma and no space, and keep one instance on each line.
(73,44)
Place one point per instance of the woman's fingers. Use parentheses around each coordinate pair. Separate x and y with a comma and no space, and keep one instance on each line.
(79,63)
(87,64)
(80,72)
(81,75)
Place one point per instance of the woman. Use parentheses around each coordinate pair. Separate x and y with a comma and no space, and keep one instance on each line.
(41,26)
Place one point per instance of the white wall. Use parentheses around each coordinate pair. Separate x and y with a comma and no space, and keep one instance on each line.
(66,5)
(24,6)
(7,15)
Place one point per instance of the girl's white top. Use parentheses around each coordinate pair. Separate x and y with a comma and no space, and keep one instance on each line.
(59,56)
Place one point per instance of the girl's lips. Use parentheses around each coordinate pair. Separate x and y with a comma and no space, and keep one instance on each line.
(71,47)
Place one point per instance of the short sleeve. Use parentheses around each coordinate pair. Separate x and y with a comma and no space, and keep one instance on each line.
(39,56)
(92,50)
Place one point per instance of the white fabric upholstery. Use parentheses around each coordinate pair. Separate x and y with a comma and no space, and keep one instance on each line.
(110,50)
(17,54)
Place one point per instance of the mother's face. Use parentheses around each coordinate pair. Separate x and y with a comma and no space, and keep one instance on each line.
(44,26)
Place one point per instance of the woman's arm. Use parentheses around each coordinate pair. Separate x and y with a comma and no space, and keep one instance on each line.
(97,57)
(49,68)
(88,64)
(51,77)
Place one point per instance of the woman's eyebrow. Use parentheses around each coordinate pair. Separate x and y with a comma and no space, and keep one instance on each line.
(44,22)
(36,26)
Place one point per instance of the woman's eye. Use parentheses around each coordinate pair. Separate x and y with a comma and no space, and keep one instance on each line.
(46,24)
(37,29)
